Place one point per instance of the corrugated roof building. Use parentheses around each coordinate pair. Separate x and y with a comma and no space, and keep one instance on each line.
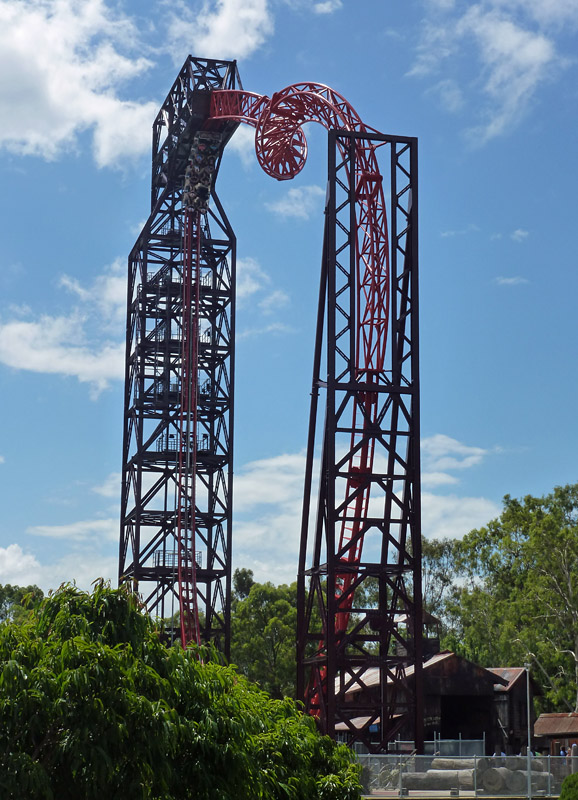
(459,699)
(512,707)
(558,730)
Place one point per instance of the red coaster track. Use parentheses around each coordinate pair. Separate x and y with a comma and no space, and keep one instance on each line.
(281,149)
(187,456)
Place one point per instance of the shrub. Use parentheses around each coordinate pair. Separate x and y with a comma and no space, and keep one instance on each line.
(93,705)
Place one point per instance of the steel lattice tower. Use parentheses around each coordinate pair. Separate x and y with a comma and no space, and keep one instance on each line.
(168,445)
(360,663)
(359,659)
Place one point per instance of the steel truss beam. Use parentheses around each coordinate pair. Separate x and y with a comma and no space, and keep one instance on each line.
(158,303)
(360,662)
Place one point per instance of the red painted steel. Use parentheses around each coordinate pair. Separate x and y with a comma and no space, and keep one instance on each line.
(281,149)
(189,613)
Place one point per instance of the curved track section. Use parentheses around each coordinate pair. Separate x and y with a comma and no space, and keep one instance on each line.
(281,149)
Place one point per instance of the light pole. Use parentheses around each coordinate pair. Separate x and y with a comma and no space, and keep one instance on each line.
(528,749)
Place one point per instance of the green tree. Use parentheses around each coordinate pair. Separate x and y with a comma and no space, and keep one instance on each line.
(15,601)
(263,629)
(93,705)
(569,789)
(438,579)
(438,574)
(518,595)
(242,582)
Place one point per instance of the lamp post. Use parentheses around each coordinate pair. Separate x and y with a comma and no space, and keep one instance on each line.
(528,748)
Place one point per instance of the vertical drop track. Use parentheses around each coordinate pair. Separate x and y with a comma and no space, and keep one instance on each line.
(187,473)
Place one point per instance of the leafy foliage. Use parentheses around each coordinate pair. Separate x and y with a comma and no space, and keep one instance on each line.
(438,574)
(15,601)
(517,598)
(263,626)
(569,790)
(93,705)
(242,582)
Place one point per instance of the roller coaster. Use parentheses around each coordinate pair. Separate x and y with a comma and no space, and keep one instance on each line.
(359,638)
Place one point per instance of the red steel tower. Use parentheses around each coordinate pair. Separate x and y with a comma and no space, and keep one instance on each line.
(359,638)
(175,544)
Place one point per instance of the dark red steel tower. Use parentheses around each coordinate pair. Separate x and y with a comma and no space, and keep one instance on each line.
(359,584)
(359,600)
(359,662)
(175,544)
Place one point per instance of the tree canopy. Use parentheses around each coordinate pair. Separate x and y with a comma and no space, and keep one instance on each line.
(507,594)
(263,626)
(514,593)
(15,601)
(92,705)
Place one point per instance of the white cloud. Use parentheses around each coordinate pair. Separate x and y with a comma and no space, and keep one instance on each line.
(98,529)
(56,345)
(2,460)
(16,566)
(453,517)
(545,12)
(515,61)
(137,227)
(441,455)
(299,202)
(274,301)
(327,7)
(268,504)
(107,292)
(270,480)
(267,517)
(251,278)
(252,282)
(83,566)
(274,327)
(437,43)
(435,479)
(515,56)
(62,63)
(441,452)
(449,93)
(517,280)
(471,228)
(243,144)
(519,235)
(221,29)
(110,487)
(123,129)
(74,344)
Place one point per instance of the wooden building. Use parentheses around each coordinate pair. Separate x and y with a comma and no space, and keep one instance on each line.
(512,708)
(464,700)
(557,731)
(458,698)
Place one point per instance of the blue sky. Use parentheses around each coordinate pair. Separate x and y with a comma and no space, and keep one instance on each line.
(489,88)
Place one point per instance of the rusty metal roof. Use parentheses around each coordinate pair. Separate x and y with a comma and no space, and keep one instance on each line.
(371,676)
(509,674)
(556,724)
(357,722)
(360,722)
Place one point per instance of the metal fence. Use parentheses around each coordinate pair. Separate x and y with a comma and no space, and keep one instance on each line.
(436,746)
(446,747)
(506,776)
